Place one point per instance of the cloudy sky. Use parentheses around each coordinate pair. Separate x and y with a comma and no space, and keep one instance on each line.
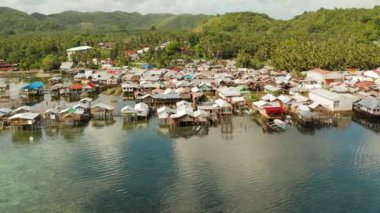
(284,9)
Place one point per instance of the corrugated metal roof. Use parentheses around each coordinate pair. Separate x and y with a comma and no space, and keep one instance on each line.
(370,102)
(325,94)
(26,116)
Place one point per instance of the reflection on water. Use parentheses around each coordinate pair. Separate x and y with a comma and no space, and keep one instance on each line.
(102,123)
(27,136)
(117,166)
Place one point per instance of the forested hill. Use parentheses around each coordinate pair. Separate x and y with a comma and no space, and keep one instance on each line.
(360,22)
(14,21)
(331,39)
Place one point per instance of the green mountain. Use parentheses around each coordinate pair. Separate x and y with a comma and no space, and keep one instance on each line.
(330,39)
(358,22)
(13,21)
(239,22)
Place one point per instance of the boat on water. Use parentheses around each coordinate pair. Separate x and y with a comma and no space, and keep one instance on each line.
(278,125)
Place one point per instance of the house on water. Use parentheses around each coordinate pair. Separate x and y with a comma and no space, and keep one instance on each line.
(27,120)
(142,110)
(139,111)
(51,116)
(332,101)
(33,89)
(101,111)
(5,113)
(369,106)
(128,112)
(4,92)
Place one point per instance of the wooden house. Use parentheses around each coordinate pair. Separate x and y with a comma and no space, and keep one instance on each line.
(142,110)
(4,66)
(4,91)
(147,99)
(73,117)
(23,109)
(5,113)
(128,112)
(55,80)
(183,117)
(76,90)
(33,89)
(25,120)
(51,116)
(129,88)
(224,108)
(58,90)
(163,114)
(102,111)
(169,97)
(90,88)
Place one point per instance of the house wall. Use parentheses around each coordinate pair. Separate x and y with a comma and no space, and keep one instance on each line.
(372,111)
(329,104)
(334,77)
(343,104)
(315,77)
(371,74)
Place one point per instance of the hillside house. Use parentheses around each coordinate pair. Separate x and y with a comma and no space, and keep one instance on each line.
(74,50)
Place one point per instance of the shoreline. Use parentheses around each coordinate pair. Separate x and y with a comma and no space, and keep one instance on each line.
(22,74)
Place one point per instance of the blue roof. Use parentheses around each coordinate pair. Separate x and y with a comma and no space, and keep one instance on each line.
(188,76)
(147,66)
(34,86)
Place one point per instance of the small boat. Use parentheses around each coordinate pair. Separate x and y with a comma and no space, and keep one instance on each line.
(280,124)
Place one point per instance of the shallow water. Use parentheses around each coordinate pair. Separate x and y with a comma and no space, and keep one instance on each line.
(138,168)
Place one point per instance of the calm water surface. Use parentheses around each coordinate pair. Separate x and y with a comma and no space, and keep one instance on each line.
(112,167)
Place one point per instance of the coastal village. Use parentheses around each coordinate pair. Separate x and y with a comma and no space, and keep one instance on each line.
(198,94)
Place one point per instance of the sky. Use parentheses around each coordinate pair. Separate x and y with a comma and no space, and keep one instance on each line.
(281,9)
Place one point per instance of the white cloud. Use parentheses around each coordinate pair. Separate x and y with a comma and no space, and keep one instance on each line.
(275,8)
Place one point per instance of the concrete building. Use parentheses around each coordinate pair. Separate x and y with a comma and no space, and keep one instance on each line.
(73,50)
(331,100)
(323,76)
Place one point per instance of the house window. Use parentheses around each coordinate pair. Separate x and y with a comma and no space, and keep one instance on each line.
(336,104)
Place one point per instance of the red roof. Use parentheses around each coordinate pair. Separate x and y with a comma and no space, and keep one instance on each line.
(273,110)
(76,86)
(177,69)
(92,85)
(364,84)
(320,71)
(131,52)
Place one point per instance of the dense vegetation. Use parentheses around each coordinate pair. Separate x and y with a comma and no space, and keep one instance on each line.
(331,39)
(13,21)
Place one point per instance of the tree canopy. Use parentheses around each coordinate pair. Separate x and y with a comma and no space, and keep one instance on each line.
(331,39)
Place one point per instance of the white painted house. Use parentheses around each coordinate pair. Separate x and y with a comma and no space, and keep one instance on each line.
(73,50)
(368,105)
(331,100)
(372,74)
(324,76)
